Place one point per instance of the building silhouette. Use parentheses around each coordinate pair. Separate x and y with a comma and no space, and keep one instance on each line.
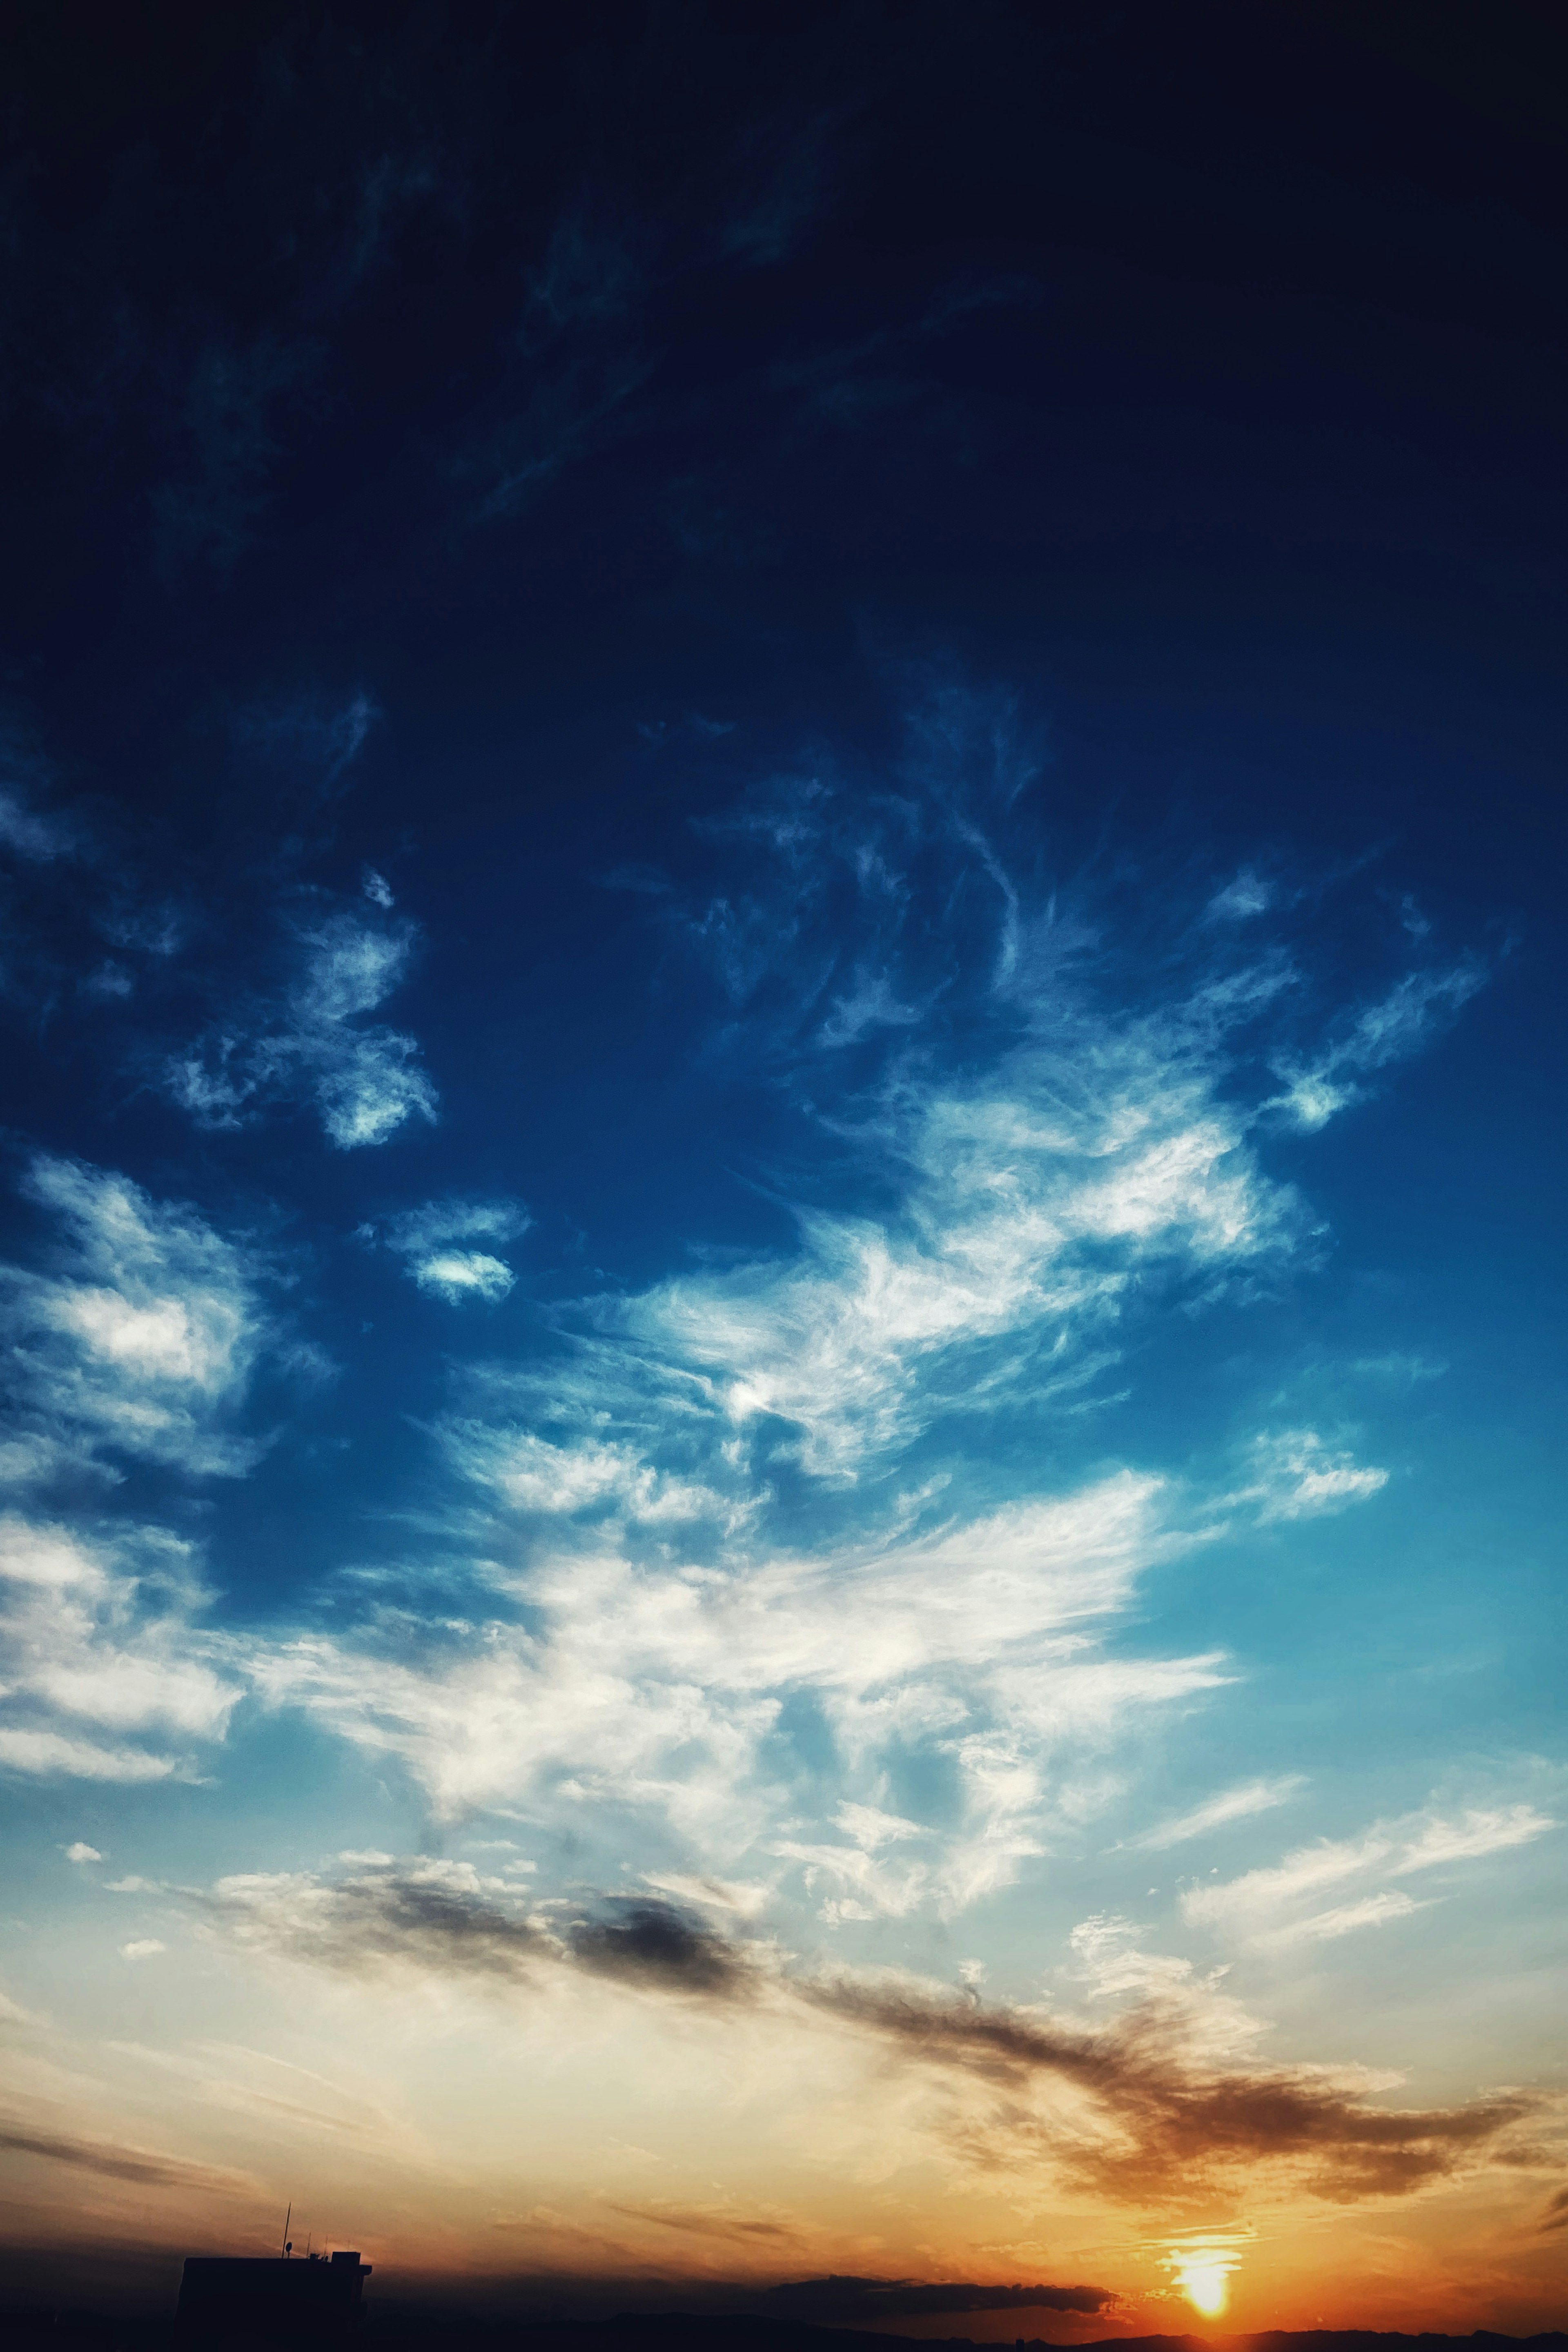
(245,2304)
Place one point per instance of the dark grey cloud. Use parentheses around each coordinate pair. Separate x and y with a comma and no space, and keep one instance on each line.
(428,1918)
(653,1943)
(864,2299)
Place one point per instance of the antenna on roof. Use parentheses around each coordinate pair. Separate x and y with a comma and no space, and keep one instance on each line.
(287,2219)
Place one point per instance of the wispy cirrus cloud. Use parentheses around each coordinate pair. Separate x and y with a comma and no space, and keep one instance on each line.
(314,738)
(1276,1904)
(1297,1475)
(363,1078)
(1398,1025)
(1240,1803)
(209,511)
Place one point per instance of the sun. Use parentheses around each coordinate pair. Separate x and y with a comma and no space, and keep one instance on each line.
(1201,2263)
(1204,2279)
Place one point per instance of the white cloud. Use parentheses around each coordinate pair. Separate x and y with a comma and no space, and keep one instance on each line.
(1398,1025)
(82,1851)
(1299,1477)
(425,1239)
(587,1477)
(1249,893)
(1269,1903)
(1326,1927)
(365,1079)
(49,1752)
(141,1342)
(659,1691)
(142,1948)
(1482,1830)
(456,1275)
(1215,1812)
(99,1640)
(1028,1207)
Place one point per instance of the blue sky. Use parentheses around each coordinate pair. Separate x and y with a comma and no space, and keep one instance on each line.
(782,1270)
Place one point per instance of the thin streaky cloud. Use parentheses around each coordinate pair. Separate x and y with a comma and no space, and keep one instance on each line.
(1236,1804)
(1254,1903)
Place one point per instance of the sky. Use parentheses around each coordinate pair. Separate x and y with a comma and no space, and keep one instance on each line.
(782,1251)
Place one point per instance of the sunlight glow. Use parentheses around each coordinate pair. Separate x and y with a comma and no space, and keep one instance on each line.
(1202,2263)
(1206,2281)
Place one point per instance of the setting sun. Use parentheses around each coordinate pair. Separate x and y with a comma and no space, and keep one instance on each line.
(1206,2281)
(1201,2265)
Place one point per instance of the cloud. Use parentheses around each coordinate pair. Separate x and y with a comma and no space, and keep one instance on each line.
(1400,1024)
(1260,1903)
(143,2166)
(1014,1249)
(317,737)
(1045,1158)
(48,1752)
(766,226)
(143,1948)
(653,1943)
(1154,2104)
(1215,1812)
(1299,1477)
(365,1078)
(660,1690)
(439,1919)
(1325,1926)
(140,1342)
(1129,2112)
(585,1476)
(425,1239)
(31,836)
(1248,895)
(456,1275)
(26,778)
(82,1851)
(858,2302)
(136,1344)
(211,512)
(576,363)
(98,1639)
